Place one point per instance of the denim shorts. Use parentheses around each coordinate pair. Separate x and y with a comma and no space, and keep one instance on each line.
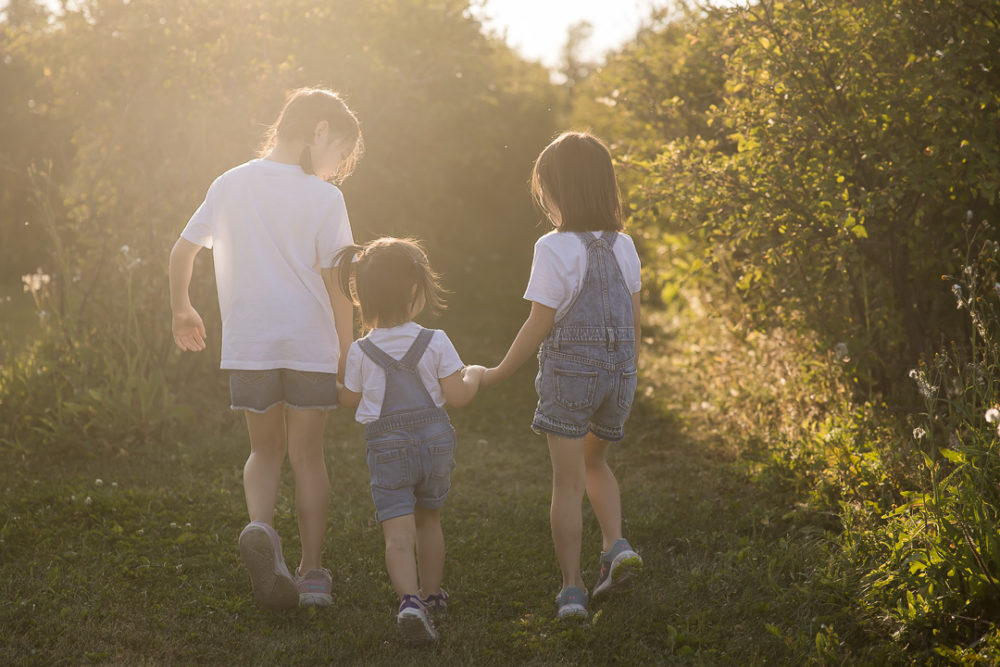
(259,391)
(410,468)
(575,397)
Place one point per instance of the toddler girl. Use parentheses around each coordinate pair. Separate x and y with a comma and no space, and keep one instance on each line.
(400,375)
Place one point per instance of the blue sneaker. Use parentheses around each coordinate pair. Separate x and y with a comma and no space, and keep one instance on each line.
(572,602)
(414,622)
(436,603)
(619,566)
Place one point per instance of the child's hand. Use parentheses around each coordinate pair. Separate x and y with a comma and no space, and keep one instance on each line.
(473,375)
(189,330)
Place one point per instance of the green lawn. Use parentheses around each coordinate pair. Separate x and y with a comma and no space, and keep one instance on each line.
(131,558)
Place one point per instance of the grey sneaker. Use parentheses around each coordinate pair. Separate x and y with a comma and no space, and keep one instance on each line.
(414,622)
(314,588)
(437,603)
(572,602)
(260,549)
(619,566)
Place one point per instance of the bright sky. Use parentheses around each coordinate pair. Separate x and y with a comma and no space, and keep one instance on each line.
(537,28)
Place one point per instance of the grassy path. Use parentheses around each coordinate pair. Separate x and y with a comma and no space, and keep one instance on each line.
(131,558)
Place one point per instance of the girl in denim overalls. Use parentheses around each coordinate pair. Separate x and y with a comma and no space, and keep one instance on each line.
(400,376)
(584,293)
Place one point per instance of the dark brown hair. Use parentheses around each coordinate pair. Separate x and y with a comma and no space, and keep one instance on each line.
(576,174)
(383,274)
(304,108)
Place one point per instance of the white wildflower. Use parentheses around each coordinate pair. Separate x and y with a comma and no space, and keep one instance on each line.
(842,353)
(968,215)
(125,249)
(927,390)
(33,282)
(957,291)
(996,288)
(992,416)
(98,482)
(919,433)
(88,501)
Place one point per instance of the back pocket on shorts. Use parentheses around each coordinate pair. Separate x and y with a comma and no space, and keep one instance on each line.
(626,389)
(575,389)
(442,455)
(390,469)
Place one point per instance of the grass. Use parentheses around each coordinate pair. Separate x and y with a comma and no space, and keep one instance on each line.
(130,557)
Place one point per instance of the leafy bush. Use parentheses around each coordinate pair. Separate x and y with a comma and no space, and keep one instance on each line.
(816,180)
(153,104)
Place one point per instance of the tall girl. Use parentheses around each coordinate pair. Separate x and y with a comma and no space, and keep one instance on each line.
(400,375)
(275,225)
(584,294)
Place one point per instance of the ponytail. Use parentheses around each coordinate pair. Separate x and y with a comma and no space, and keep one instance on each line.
(344,261)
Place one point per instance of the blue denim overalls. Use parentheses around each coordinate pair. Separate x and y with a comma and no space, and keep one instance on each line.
(411,446)
(586,366)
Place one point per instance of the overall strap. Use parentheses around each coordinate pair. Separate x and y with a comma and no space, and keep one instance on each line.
(416,350)
(609,237)
(375,353)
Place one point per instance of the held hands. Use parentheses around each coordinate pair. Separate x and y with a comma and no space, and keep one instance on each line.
(189,330)
(473,376)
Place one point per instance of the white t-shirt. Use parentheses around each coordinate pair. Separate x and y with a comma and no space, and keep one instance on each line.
(560,263)
(366,377)
(270,226)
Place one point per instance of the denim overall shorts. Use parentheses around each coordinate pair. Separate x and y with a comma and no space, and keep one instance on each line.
(586,366)
(411,446)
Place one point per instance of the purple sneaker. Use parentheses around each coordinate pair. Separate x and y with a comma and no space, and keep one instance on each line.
(414,623)
(260,549)
(619,566)
(436,603)
(314,588)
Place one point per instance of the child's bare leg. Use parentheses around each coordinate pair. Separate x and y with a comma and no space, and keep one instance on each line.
(602,491)
(430,550)
(262,471)
(400,538)
(312,484)
(566,513)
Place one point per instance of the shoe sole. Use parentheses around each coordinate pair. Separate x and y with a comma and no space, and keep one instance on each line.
(414,630)
(572,611)
(315,600)
(624,569)
(272,588)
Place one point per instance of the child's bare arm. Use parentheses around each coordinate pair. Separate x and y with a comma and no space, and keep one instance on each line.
(346,397)
(343,315)
(461,386)
(525,345)
(188,328)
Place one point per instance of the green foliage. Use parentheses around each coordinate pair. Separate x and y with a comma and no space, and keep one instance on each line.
(803,169)
(941,569)
(129,110)
(822,184)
